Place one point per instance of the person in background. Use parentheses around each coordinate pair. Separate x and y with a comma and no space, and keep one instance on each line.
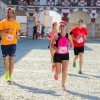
(79,34)
(42,31)
(35,32)
(50,36)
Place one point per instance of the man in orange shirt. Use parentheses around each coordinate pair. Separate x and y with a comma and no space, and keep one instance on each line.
(10,31)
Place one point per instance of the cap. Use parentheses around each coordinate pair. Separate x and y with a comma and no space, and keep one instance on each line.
(62,23)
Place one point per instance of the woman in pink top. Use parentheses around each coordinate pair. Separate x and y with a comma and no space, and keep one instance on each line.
(61,55)
(51,35)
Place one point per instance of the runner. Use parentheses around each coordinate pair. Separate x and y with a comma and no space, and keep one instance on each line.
(51,35)
(35,32)
(79,34)
(61,55)
(10,30)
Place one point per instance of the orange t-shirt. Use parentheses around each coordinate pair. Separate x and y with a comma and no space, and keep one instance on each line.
(9,37)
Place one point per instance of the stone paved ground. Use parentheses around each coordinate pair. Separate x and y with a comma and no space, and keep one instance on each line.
(33,79)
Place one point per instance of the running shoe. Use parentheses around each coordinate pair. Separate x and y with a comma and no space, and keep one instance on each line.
(53,68)
(74,64)
(6,75)
(79,72)
(55,77)
(63,88)
(9,79)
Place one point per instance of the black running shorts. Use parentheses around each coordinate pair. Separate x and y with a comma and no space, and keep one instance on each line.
(59,57)
(78,50)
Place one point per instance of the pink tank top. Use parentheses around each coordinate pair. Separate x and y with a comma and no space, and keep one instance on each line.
(62,44)
(52,34)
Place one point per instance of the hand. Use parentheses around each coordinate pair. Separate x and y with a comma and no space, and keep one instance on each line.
(47,38)
(71,45)
(57,49)
(76,39)
(9,29)
(18,37)
(84,37)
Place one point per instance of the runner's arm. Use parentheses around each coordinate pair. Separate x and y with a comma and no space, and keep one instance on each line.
(71,42)
(18,30)
(47,36)
(5,30)
(73,38)
(53,41)
(86,35)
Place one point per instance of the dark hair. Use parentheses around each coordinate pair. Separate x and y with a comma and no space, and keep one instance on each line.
(80,20)
(9,8)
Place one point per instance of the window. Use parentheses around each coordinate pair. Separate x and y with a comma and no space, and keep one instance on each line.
(14,2)
(43,2)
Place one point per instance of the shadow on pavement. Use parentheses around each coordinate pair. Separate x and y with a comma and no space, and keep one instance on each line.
(92,75)
(36,90)
(93,41)
(24,46)
(84,96)
(81,76)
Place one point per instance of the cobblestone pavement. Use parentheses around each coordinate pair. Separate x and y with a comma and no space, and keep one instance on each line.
(33,79)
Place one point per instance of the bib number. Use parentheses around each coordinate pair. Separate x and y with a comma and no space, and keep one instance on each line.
(80,40)
(9,37)
(62,50)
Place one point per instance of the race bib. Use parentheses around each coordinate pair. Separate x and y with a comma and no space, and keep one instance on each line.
(9,37)
(62,50)
(80,40)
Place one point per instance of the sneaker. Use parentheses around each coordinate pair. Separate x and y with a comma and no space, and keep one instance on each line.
(74,64)
(53,68)
(55,77)
(79,72)
(6,75)
(9,79)
(63,88)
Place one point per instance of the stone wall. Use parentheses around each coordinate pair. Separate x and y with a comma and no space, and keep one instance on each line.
(88,26)
(97,30)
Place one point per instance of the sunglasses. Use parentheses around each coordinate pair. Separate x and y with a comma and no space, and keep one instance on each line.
(62,25)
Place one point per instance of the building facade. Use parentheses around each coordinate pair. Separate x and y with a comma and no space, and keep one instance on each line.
(69,10)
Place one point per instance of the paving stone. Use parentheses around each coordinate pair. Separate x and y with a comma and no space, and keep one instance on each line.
(33,78)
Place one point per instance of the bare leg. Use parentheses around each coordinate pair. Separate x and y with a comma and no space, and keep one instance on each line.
(58,69)
(74,62)
(52,54)
(6,64)
(11,65)
(75,58)
(64,71)
(80,60)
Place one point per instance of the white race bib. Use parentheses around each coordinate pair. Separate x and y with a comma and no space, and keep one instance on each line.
(62,50)
(80,40)
(9,37)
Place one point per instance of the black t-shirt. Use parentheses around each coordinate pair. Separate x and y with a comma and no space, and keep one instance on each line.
(34,29)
